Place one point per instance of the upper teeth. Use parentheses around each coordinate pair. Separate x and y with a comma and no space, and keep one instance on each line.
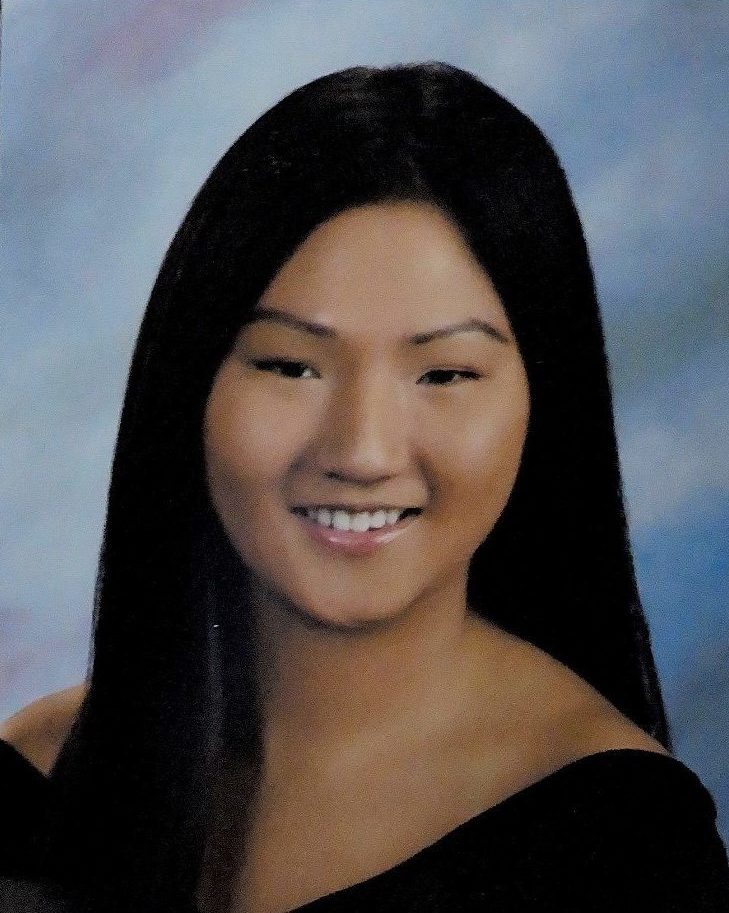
(356,522)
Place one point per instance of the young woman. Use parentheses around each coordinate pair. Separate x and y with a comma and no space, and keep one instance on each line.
(367,632)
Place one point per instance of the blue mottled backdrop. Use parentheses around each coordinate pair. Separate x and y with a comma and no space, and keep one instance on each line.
(113,113)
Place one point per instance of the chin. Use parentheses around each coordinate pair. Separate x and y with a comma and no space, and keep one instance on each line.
(341,618)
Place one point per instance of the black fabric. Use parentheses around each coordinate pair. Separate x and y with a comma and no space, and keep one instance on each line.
(25,801)
(619,830)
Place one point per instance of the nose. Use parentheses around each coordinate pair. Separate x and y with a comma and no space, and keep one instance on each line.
(366,437)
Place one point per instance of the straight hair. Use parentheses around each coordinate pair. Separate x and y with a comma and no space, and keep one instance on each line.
(155,780)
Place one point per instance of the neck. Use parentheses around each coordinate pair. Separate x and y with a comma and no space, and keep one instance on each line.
(327,688)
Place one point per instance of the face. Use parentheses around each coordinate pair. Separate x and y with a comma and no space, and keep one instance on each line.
(363,412)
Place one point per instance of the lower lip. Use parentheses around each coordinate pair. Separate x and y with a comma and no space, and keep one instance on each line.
(353,543)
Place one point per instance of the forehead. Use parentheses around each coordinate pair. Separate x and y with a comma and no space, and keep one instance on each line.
(398,266)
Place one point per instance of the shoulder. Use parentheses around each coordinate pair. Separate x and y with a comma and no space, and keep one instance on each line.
(618,814)
(568,713)
(39,728)
(552,714)
(29,743)
(628,829)
(541,718)
(641,828)
(602,727)
(537,719)
(640,821)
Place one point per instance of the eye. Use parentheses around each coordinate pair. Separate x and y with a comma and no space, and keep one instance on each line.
(270,364)
(470,375)
(290,370)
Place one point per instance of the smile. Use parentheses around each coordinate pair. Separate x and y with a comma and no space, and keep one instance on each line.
(337,532)
(355,521)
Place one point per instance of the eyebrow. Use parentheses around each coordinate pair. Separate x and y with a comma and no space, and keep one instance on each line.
(318,329)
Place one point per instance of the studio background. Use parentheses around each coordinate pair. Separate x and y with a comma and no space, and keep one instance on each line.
(114,113)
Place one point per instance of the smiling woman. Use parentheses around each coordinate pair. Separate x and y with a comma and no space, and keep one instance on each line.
(371,429)
(367,631)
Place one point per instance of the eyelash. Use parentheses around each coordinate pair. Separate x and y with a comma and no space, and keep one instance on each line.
(469,375)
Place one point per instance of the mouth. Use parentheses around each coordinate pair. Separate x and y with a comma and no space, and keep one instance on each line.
(332,529)
(325,515)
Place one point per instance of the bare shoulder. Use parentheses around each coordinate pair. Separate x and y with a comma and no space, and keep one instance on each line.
(587,720)
(554,716)
(38,729)
(611,729)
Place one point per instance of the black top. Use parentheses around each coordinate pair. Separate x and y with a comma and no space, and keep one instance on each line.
(619,830)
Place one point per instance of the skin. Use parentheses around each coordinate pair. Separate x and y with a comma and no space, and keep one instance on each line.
(378,679)
(392,712)
(351,643)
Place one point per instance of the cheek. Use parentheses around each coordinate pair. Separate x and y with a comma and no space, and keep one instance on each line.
(495,447)
(243,445)
(239,456)
(246,454)
(481,462)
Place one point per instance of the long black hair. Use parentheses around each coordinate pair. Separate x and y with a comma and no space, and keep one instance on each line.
(158,771)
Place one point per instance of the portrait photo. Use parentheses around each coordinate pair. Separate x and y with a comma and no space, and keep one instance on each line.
(365,477)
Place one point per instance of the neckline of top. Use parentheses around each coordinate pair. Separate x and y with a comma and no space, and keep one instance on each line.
(554,777)
(513,799)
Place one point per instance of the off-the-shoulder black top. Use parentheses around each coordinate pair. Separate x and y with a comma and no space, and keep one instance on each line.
(617,831)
